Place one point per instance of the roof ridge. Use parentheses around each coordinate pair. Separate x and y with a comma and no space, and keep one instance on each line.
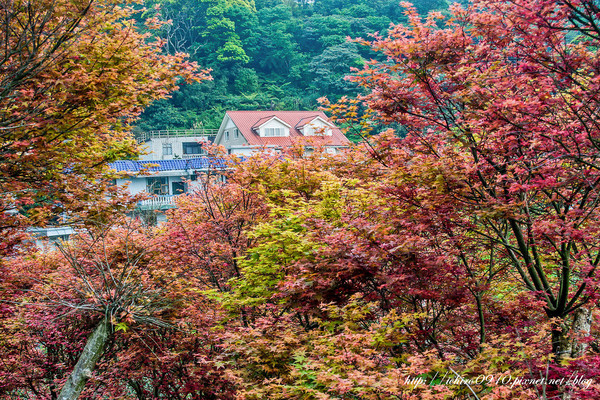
(305,118)
(267,118)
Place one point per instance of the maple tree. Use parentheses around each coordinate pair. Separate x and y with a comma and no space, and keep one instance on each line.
(479,222)
(498,169)
(334,293)
(125,302)
(73,75)
(111,313)
(335,297)
(463,247)
(209,228)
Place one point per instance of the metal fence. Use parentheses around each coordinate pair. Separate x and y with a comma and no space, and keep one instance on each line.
(210,134)
(158,203)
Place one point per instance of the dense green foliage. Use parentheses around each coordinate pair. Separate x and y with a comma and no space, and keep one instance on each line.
(267,54)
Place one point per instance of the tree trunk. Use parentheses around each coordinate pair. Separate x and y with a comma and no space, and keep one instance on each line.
(566,343)
(92,351)
(582,323)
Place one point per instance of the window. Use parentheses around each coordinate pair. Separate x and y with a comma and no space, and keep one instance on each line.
(192,148)
(167,149)
(316,128)
(236,133)
(227,136)
(179,187)
(270,132)
(157,186)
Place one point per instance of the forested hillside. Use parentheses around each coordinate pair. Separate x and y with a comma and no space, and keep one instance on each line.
(266,54)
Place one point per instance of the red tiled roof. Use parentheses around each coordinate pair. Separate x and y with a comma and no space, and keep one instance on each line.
(305,121)
(263,121)
(247,120)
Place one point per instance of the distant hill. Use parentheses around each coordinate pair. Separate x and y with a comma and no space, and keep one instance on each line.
(266,54)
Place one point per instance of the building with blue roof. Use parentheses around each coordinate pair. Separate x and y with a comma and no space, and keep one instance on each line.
(172,165)
(163,180)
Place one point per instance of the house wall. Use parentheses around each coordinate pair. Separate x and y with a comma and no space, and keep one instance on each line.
(316,127)
(138,184)
(243,150)
(154,147)
(232,141)
(134,185)
(273,124)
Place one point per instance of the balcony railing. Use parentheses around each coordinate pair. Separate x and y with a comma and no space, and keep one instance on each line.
(210,134)
(189,156)
(162,202)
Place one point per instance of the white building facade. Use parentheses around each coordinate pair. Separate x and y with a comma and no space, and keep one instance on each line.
(164,180)
(175,144)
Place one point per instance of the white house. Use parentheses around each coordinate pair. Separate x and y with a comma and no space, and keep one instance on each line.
(171,164)
(174,144)
(164,179)
(244,132)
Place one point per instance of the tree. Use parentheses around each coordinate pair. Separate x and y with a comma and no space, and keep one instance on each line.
(112,314)
(208,230)
(502,140)
(339,293)
(331,67)
(205,29)
(73,76)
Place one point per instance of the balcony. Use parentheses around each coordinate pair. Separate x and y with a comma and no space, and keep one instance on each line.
(190,156)
(162,202)
(209,134)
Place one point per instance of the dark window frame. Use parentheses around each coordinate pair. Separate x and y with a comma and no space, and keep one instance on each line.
(196,148)
(157,185)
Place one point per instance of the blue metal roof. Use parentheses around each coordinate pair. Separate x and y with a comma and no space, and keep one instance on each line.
(169,165)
